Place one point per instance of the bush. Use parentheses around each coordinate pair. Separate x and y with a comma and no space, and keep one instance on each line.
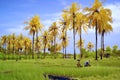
(1,55)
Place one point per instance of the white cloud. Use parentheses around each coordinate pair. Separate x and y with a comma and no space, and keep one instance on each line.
(54,17)
(63,2)
(17,30)
(115,8)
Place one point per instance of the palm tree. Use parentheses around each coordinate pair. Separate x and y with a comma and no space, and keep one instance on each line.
(38,46)
(94,18)
(45,41)
(33,27)
(4,43)
(27,45)
(64,43)
(13,43)
(19,45)
(9,42)
(65,22)
(54,32)
(90,46)
(39,26)
(80,44)
(81,23)
(105,27)
(73,11)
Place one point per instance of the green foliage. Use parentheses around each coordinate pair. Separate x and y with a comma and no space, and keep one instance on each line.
(108,50)
(115,50)
(1,55)
(117,53)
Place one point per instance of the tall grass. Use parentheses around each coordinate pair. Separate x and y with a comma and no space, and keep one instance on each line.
(106,69)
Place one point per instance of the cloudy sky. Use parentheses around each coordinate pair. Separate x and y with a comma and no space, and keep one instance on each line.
(14,12)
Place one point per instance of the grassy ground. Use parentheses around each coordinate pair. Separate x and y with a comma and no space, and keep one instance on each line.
(106,69)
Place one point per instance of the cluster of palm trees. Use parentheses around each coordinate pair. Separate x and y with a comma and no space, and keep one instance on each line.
(55,38)
(15,44)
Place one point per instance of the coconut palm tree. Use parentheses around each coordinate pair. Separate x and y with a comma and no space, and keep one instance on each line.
(27,45)
(81,23)
(90,46)
(65,22)
(80,44)
(53,29)
(9,44)
(93,15)
(19,46)
(58,47)
(74,8)
(33,27)
(39,27)
(105,27)
(45,40)
(13,37)
(4,43)
(64,43)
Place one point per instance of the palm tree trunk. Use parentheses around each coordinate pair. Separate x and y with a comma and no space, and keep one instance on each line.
(103,42)
(63,52)
(55,46)
(96,57)
(65,43)
(37,44)
(74,35)
(5,50)
(44,50)
(25,52)
(33,46)
(81,43)
(101,47)
(13,51)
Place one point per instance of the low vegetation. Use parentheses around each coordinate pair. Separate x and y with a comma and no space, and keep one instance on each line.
(106,69)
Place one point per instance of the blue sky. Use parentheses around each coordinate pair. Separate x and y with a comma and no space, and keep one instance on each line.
(14,12)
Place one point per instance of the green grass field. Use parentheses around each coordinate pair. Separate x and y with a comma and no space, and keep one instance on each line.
(106,69)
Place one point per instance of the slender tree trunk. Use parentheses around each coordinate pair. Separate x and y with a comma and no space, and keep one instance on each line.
(5,50)
(81,43)
(65,43)
(103,42)
(55,46)
(37,44)
(13,51)
(25,52)
(8,51)
(33,46)
(63,53)
(44,50)
(96,57)
(101,47)
(74,35)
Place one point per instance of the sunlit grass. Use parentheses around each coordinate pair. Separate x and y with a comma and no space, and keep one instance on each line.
(106,69)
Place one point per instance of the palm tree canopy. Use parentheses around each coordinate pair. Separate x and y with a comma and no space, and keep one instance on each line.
(106,20)
(4,39)
(78,44)
(34,25)
(81,22)
(54,29)
(45,37)
(27,42)
(90,45)
(64,40)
